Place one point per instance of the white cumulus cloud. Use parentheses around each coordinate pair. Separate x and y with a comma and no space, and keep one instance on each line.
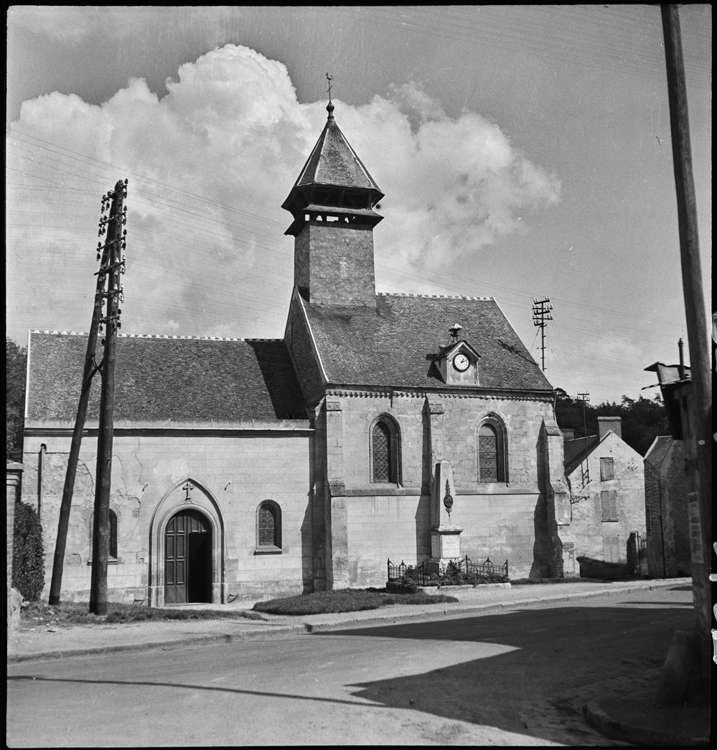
(209,165)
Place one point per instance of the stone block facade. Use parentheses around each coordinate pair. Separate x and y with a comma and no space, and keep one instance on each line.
(666,506)
(373,521)
(606,511)
(333,264)
(230,473)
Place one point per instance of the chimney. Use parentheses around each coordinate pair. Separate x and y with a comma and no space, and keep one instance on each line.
(605,424)
(568,433)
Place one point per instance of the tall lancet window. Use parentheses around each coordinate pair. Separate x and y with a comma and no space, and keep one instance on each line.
(384,451)
(491,459)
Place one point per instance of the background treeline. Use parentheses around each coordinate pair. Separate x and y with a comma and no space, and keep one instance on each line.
(642,419)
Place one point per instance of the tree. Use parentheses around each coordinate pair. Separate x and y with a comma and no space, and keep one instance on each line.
(642,419)
(15,363)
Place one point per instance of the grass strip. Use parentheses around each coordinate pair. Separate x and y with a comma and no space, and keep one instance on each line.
(344,600)
(77,613)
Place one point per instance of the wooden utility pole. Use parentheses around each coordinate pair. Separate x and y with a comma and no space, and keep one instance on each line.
(90,369)
(101,526)
(541,308)
(699,470)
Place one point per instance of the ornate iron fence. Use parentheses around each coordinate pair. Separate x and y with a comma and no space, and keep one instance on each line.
(456,572)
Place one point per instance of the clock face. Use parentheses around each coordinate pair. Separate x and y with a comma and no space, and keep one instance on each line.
(461,362)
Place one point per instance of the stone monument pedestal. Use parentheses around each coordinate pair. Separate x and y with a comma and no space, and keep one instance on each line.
(445,547)
(445,535)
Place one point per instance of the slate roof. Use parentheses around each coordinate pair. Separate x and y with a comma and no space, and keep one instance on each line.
(395,343)
(576,450)
(161,379)
(659,449)
(334,162)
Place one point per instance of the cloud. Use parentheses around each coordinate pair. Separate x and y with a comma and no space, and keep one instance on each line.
(209,165)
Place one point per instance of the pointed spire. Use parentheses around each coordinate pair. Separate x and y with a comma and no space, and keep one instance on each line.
(333,181)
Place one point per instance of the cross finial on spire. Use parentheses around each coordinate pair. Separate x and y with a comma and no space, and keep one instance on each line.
(330,106)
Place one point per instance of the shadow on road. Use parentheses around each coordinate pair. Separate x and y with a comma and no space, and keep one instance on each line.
(558,653)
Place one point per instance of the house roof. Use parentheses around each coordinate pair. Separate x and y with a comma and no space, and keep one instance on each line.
(395,343)
(658,450)
(334,162)
(577,449)
(167,379)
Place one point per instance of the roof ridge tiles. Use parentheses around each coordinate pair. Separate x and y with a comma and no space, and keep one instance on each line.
(58,333)
(152,336)
(432,296)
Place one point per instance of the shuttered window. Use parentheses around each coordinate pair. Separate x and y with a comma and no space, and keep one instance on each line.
(608,501)
(607,469)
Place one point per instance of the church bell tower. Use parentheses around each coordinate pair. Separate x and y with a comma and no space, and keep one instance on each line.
(332,204)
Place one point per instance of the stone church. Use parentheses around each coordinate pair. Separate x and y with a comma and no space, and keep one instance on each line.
(252,467)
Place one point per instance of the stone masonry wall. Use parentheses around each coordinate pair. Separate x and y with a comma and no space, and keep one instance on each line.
(592,535)
(340,263)
(675,512)
(653,511)
(233,474)
(502,520)
(303,357)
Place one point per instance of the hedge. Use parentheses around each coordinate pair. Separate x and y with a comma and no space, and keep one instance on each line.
(28,563)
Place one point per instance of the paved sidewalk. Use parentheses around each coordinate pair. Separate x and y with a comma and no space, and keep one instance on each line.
(624,711)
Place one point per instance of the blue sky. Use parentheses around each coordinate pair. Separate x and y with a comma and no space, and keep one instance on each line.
(524,152)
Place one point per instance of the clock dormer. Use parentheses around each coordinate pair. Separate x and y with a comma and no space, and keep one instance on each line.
(458,361)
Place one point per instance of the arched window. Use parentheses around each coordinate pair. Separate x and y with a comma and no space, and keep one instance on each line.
(491,452)
(113,535)
(268,525)
(385,451)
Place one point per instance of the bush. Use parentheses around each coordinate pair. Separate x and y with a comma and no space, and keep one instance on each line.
(344,600)
(28,554)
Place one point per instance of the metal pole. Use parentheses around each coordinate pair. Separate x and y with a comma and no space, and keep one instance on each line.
(101,526)
(699,470)
(89,371)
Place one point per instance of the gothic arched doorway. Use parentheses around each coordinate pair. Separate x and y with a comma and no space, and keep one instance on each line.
(188,558)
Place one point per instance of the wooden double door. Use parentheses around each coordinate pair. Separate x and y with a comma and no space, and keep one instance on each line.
(188,558)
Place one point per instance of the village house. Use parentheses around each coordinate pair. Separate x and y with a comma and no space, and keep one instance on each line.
(670,520)
(410,427)
(606,478)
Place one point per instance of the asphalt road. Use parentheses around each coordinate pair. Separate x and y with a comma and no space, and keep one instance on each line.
(513,678)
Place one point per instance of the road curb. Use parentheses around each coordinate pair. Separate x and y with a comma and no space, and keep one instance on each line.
(596,716)
(279,630)
(477,609)
(348,623)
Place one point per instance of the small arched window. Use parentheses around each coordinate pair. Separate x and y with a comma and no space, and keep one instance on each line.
(491,452)
(268,525)
(385,451)
(113,535)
